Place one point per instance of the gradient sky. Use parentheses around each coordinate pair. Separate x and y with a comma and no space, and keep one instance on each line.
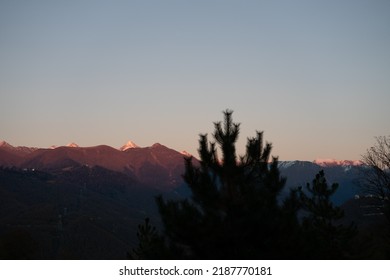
(314,75)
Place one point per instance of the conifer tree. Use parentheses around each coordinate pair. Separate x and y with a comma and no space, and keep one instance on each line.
(234,211)
(151,245)
(325,237)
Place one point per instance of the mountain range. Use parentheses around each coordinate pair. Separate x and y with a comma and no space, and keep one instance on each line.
(155,165)
(72,202)
(161,167)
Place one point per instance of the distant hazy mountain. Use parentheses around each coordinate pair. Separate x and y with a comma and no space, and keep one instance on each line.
(344,172)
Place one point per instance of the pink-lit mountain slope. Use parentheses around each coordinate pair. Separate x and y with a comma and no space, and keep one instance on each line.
(13,156)
(156,165)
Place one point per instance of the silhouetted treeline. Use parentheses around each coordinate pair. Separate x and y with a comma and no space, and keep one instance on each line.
(235,210)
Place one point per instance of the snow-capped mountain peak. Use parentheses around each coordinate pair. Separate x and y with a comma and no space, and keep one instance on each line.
(128,145)
(335,162)
(72,145)
(185,153)
(286,164)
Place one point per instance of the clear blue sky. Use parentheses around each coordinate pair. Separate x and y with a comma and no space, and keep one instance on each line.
(314,75)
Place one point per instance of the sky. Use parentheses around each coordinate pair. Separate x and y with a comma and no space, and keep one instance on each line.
(313,75)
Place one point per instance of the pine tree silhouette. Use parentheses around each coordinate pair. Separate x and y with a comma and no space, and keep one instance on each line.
(151,245)
(234,211)
(325,237)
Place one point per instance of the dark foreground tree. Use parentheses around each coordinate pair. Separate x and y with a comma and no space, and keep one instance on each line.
(376,182)
(325,237)
(234,211)
(150,244)
(376,177)
(18,245)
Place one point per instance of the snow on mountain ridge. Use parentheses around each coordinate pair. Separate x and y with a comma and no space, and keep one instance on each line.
(128,145)
(335,162)
(347,164)
(185,153)
(286,164)
(72,145)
